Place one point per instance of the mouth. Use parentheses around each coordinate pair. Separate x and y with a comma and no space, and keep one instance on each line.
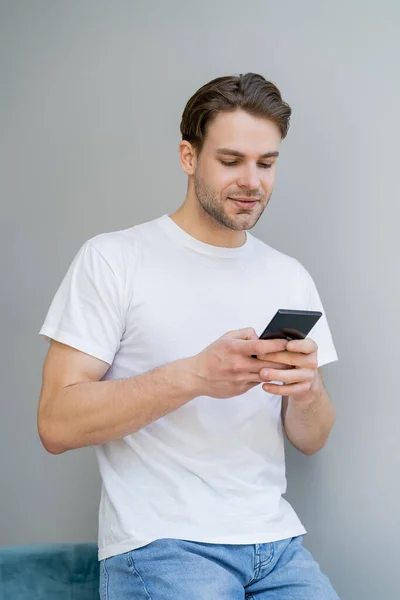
(244,202)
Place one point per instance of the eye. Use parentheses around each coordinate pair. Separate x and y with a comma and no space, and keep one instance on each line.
(235,162)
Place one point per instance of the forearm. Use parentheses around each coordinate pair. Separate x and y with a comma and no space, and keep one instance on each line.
(308,420)
(91,413)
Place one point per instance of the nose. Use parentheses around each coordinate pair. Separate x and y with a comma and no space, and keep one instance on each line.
(249,178)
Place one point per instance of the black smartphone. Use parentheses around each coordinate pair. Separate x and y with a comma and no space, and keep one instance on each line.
(291,324)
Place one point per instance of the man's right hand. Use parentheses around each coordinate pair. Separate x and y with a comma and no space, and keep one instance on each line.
(226,368)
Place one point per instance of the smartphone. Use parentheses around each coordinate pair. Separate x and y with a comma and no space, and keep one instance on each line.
(291,324)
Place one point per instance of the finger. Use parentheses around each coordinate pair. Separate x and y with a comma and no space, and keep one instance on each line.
(247,333)
(269,363)
(286,390)
(305,346)
(251,368)
(287,377)
(260,347)
(257,364)
(296,359)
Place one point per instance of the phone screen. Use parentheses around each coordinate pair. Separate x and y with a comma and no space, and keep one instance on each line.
(290,324)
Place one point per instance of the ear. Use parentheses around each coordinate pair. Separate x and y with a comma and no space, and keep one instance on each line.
(188,157)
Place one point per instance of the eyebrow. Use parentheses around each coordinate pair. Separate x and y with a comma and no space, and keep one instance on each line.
(241,155)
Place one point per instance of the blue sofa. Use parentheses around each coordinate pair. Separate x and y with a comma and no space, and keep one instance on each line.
(49,572)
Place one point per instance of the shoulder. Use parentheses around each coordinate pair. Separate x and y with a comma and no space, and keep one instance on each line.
(286,264)
(113,245)
(120,248)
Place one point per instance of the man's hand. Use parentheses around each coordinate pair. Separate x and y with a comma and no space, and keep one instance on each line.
(301,373)
(226,368)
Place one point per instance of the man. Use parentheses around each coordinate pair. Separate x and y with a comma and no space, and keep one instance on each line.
(154,331)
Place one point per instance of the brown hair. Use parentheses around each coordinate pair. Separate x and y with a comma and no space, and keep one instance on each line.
(249,92)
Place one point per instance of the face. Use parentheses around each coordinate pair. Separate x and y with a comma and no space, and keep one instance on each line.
(235,171)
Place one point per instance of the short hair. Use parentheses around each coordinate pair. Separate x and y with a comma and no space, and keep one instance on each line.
(250,92)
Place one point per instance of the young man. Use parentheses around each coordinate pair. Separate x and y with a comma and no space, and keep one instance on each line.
(154,331)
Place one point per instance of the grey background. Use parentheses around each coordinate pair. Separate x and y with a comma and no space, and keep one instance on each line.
(91,98)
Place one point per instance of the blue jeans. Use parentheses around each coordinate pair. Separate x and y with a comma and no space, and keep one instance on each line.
(170,569)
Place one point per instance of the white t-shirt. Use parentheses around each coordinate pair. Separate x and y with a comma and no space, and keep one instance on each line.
(214,469)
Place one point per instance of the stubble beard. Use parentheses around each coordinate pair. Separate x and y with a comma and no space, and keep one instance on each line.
(214,207)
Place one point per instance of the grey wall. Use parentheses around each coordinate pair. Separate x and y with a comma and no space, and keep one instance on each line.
(91,98)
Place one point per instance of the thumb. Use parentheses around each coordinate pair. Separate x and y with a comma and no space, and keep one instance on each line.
(242,334)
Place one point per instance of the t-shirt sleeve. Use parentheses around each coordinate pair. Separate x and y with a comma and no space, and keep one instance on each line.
(321,332)
(87,310)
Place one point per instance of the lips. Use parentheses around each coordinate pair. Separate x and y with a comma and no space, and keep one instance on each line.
(245,204)
(245,199)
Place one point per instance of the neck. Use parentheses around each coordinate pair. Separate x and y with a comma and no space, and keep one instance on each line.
(193,219)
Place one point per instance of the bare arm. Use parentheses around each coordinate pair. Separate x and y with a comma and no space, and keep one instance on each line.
(308,423)
(76,409)
(307,412)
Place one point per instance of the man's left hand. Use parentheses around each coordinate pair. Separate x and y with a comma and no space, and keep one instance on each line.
(302,375)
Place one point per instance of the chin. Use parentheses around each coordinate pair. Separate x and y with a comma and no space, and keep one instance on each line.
(240,225)
(243,221)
